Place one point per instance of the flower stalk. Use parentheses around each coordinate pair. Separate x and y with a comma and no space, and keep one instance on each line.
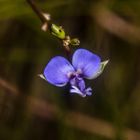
(55,30)
(60,71)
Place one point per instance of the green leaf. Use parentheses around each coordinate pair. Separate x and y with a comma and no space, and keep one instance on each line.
(57,31)
(75,42)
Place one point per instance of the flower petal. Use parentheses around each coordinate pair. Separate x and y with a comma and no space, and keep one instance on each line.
(87,62)
(57,70)
(81,85)
(78,86)
(75,89)
(88,91)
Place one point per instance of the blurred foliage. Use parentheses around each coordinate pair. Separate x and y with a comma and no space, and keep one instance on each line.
(25,50)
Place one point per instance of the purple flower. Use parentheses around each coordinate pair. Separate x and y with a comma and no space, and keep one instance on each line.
(85,65)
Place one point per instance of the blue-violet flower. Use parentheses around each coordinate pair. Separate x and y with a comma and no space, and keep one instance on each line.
(85,65)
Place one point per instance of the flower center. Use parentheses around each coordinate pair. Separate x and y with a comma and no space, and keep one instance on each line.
(77,74)
(78,84)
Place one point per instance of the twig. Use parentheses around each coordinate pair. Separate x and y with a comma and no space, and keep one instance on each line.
(38,12)
(44,17)
(47,25)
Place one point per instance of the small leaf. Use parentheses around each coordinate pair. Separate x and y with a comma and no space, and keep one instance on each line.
(58,31)
(75,41)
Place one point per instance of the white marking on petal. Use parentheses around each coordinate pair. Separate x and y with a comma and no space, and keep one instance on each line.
(102,66)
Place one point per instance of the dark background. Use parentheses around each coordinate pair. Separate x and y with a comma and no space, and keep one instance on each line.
(32,109)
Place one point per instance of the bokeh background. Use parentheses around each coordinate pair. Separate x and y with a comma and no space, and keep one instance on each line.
(32,109)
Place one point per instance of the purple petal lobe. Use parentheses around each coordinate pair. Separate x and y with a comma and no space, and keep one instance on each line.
(78,82)
(78,86)
(75,89)
(88,91)
(81,85)
(57,70)
(87,62)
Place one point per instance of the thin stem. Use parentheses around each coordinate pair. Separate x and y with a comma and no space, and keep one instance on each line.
(47,25)
(38,12)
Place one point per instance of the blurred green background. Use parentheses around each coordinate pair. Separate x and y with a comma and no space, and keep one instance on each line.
(32,109)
